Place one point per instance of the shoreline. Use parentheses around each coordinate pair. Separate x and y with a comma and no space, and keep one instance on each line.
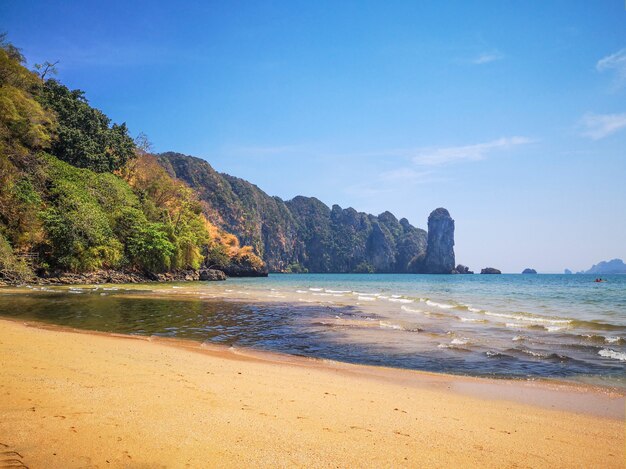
(235,295)
(547,393)
(74,398)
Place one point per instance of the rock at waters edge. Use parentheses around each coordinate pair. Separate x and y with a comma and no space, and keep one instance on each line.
(490,270)
(211,275)
(462,269)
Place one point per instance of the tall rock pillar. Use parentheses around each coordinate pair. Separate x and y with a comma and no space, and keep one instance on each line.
(440,249)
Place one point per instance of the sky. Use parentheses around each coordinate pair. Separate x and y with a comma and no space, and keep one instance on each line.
(511,114)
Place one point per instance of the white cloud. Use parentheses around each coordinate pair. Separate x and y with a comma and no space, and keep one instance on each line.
(616,61)
(598,126)
(487,57)
(475,152)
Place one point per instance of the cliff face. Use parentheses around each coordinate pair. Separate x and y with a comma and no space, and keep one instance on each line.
(440,249)
(305,234)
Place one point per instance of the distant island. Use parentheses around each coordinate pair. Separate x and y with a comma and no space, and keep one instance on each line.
(529,271)
(614,266)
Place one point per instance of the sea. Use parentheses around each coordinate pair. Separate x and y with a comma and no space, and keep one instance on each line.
(559,327)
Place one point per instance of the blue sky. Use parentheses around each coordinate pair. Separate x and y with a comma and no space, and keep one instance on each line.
(511,114)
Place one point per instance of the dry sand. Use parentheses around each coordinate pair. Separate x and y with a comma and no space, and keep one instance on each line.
(70,399)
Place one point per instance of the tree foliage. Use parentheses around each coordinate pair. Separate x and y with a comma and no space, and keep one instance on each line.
(85,136)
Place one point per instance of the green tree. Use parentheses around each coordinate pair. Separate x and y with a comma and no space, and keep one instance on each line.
(85,137)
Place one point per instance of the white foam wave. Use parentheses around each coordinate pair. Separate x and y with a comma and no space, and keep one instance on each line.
(400,300)
(534,354)
(366,298)
(389,325)
(612,340)
(316,289)
(338,291)
(462,341)
(517,338)
(411,310)
(516,325)
(531,319)
(396,296)
(301,291)
(464,319)
(608,353)
(473,310)
(439,305)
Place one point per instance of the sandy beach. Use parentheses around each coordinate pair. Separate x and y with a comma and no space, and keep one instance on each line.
(77,399)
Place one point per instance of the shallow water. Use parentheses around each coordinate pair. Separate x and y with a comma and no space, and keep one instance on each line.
(526,326)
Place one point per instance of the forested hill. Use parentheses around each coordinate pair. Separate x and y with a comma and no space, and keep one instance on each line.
(303,234)
(77,195)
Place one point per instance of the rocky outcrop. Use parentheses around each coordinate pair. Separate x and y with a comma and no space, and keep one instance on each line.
(211,275)
(439,257)
(462,269)
(243,267)
(490,270)
(529,271)
(116,276)
(567,272)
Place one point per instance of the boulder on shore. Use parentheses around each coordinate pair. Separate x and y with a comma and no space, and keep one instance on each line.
(211,275)
(490,270)
(529,271)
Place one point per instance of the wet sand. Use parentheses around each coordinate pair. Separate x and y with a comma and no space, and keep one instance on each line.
(77,399)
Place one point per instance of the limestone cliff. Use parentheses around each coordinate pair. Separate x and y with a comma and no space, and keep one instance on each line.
(304,234)
(440,248)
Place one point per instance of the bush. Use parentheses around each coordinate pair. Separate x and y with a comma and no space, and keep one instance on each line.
(12,268)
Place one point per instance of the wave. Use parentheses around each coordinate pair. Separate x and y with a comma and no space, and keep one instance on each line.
(462,341)
(439,305)
(528,318)
(464,319)
(608,353)
(453,347)
(400,300)
(540,327)
(316,289)
(498,355)
(338,291)
(366,298)
(546,356)
(390,325)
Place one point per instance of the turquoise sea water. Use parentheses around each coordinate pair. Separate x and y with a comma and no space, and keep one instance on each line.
(526,326)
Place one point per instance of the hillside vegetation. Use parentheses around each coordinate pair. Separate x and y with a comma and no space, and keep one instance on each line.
(77,195)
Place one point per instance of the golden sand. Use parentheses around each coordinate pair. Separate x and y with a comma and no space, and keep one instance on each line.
(70,399)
